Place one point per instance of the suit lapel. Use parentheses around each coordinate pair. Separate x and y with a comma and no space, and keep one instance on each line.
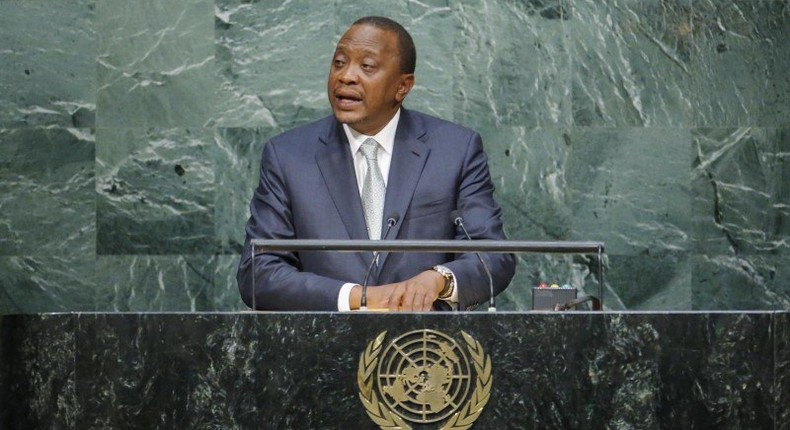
(409,155)
(336,165)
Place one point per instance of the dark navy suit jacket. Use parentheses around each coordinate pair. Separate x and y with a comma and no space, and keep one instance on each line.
(308,190)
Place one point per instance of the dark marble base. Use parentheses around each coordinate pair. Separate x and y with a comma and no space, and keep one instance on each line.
(298,371)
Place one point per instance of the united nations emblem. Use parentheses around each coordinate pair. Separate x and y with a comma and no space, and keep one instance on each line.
(424,377)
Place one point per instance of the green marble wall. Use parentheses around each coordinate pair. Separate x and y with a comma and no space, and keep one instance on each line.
(130,135)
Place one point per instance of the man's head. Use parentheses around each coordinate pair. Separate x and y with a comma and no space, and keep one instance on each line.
(372,71)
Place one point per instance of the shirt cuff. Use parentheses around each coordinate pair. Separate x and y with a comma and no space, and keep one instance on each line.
(344,297)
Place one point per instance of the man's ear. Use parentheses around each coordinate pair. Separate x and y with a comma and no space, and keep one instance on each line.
(404,86)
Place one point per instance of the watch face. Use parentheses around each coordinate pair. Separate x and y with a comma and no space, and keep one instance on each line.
(443,271)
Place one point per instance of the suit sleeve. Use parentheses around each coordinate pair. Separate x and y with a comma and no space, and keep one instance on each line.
(483,220)
(279,282)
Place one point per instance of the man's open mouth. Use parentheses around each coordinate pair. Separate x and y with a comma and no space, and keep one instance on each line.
(347,98)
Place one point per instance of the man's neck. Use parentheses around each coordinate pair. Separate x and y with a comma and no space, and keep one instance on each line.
(386,133)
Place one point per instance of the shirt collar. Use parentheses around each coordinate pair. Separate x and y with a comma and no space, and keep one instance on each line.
(385,137)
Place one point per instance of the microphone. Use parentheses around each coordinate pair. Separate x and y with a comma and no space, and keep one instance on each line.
(458,220)
(363,303)
(596,304)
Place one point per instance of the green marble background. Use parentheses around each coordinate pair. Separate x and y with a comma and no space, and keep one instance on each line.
(130,136)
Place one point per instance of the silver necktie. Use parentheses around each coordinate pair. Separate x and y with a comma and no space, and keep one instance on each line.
(373,189)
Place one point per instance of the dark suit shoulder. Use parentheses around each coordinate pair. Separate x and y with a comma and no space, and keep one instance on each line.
(306,134)
(434,125)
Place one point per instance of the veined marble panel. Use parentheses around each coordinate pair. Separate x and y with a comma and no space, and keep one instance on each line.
(630,188)
(781,334)
(740,282)
(57,282)
(631,61)
(741,58)
(529,170)
(46,192)
(654,281)
(41,371)
(164,283)
(740,180)
(272,62)
(47,220)
(511,64)
(47,63)
(155,63)
(155,191)
(643,354)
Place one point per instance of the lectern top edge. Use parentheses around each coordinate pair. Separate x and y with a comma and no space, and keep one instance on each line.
(495,246)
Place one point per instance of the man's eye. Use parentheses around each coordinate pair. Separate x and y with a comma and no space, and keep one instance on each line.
(339,63)
(366,66)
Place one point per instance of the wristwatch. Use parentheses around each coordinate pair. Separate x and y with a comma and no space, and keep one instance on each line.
(449,282)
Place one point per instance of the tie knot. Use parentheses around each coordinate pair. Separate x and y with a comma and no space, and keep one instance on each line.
(370,148)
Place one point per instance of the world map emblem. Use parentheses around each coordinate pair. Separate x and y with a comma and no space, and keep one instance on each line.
(424,377)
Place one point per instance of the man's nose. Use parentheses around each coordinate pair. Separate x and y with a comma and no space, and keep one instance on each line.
(348,75)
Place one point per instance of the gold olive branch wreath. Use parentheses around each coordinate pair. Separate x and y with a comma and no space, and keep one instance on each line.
(387,419)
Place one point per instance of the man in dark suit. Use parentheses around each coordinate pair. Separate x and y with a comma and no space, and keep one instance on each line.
(347,175)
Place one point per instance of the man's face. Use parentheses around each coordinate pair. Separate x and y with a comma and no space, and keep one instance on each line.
(365,84)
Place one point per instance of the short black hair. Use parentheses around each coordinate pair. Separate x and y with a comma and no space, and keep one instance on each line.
(406,49)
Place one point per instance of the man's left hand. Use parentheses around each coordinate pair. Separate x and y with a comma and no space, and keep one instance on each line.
(412,295)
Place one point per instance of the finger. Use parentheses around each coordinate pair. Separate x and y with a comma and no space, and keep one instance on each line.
(395,298)
(427,302)
(408,300)
(426,298)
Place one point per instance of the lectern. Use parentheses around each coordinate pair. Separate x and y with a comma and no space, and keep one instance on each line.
(266,370)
